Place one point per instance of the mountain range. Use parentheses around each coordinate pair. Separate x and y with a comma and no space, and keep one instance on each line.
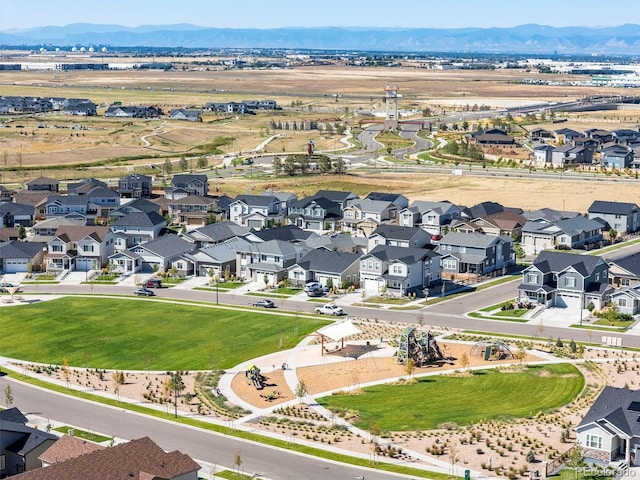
(522,39)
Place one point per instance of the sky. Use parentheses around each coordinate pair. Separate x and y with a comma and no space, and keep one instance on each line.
(24,14)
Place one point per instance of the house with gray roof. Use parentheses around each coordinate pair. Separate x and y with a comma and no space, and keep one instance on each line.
(193,184)
(568,155)
(616,156)
(79,248)
(624,271)
(318,214)
(218,259)
(285,233)
(17,256)
(548,214)
(192,210)
(337,196)
(21,445)
(215,233)
(542,154)
(84,186)
(610,430)
(41,184)
(327,267)
(134,186)
(624,217)
(566,280)
(565,135)
(627,300)
(16,214)
(569,233)
(397,199)
(190,115)
(267,262)
(161,253)
(398,271)
(399,236)
(125,262)
(58,205)
(475,253)
(136,228)
(361,217)
(139,205)
(256,211)
(433,217)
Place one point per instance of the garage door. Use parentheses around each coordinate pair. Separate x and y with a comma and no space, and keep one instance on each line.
(568,300)
(15,266)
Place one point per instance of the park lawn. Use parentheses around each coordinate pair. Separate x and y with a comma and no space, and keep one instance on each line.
(138,334)
(464,400)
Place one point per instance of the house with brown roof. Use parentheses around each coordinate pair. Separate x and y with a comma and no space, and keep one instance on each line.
(80,248)
(140,459)
(68,447)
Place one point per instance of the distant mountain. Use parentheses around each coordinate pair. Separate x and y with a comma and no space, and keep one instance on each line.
(523,39)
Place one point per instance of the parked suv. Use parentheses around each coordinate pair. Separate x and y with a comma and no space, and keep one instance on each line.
(153,283)
(315,291)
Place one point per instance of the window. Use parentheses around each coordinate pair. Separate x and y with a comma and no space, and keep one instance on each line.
(397,269)
(463,249)
(569,282)
(594,441)
(625,282)
(449,264)
(532,278)
(56,248)
(622,302)
(87,248)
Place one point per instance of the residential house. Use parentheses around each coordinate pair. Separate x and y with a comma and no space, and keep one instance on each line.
(41,184)
(215,233)
(101,201)
(261,104)
(60,205)
(44,230)
(338,242)
(256,211)
(139,205)
(623,217)
(136,228)
(548,214)
(80,248)
(587,143)
(565,136)
(398,236)
(193,184)
(540,133)
(285,198)
(599,135)
(625,136)
(337,196)
(160,254)
(132,111)
(190,115)
(327,267)
(627,300)
(615,156)
(217,259)
(21,257)
(361,217)
(433,217)
(125,262)
(84,186)
(542,154)
(5,194)
(67,447)
(267,262)
(570,233)
(485,209)
(610,430)
(624,271)
(568,155)
(399,271)
(192,210)
(81,107)
(497,138)
(16,215)
(504,223)
(566,280)
(20,445)
(397,199)
(317,214)
(7,234)
(285,233)
(134,186)
(140,459)
(227,107)
(475,253)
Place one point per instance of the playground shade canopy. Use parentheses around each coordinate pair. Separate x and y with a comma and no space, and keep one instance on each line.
(338,331)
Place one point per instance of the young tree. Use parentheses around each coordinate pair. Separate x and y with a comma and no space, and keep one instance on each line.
(277,165)
(410,367)
(301,390)
(464,361)
(339,166)
(167,167)
(237,460)
(613,234)
(304,165)
(184,165)
(65,370)
(290,166)
(177,385)
(8,395)
(324,164)
(203,162)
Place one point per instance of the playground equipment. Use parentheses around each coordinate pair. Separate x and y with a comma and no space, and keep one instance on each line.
(491,350)
(255,377)
(421,347)
(310,147)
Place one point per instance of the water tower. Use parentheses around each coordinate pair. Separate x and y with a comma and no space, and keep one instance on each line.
(391,98)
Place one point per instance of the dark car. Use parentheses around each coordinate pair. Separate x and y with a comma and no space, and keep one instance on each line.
(264,304)
(153,283)
(144,292)
(5,285)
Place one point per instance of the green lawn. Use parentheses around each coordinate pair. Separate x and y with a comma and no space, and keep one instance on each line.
(92,437)
(486,394)
(140,334)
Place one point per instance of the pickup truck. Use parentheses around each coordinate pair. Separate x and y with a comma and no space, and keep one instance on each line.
(330,309)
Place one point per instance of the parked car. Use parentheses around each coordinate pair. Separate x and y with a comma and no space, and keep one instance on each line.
(315,291)
(144,292)
(330,309)
(153,283)
(312,286)
(264,303)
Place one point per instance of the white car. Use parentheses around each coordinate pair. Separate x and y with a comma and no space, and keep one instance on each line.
(330,309)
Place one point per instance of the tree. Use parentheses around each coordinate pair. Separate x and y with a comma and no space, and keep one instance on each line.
(168,167)
(324,164)
(237,460)
(118,381)
(8,395)
(304,165)
(290,166)
(22,233)
(410,367)
(203,162)
(301,390)
(176,385)
(277,165)
(65,370)
(464,361)
(465,126)
(184,165)
(339,166)
(613,234)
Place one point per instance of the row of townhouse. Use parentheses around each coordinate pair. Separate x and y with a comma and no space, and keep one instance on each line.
(617,149)
(69,106)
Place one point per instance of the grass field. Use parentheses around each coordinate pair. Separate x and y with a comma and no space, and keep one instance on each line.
(486,394)
(135,334)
